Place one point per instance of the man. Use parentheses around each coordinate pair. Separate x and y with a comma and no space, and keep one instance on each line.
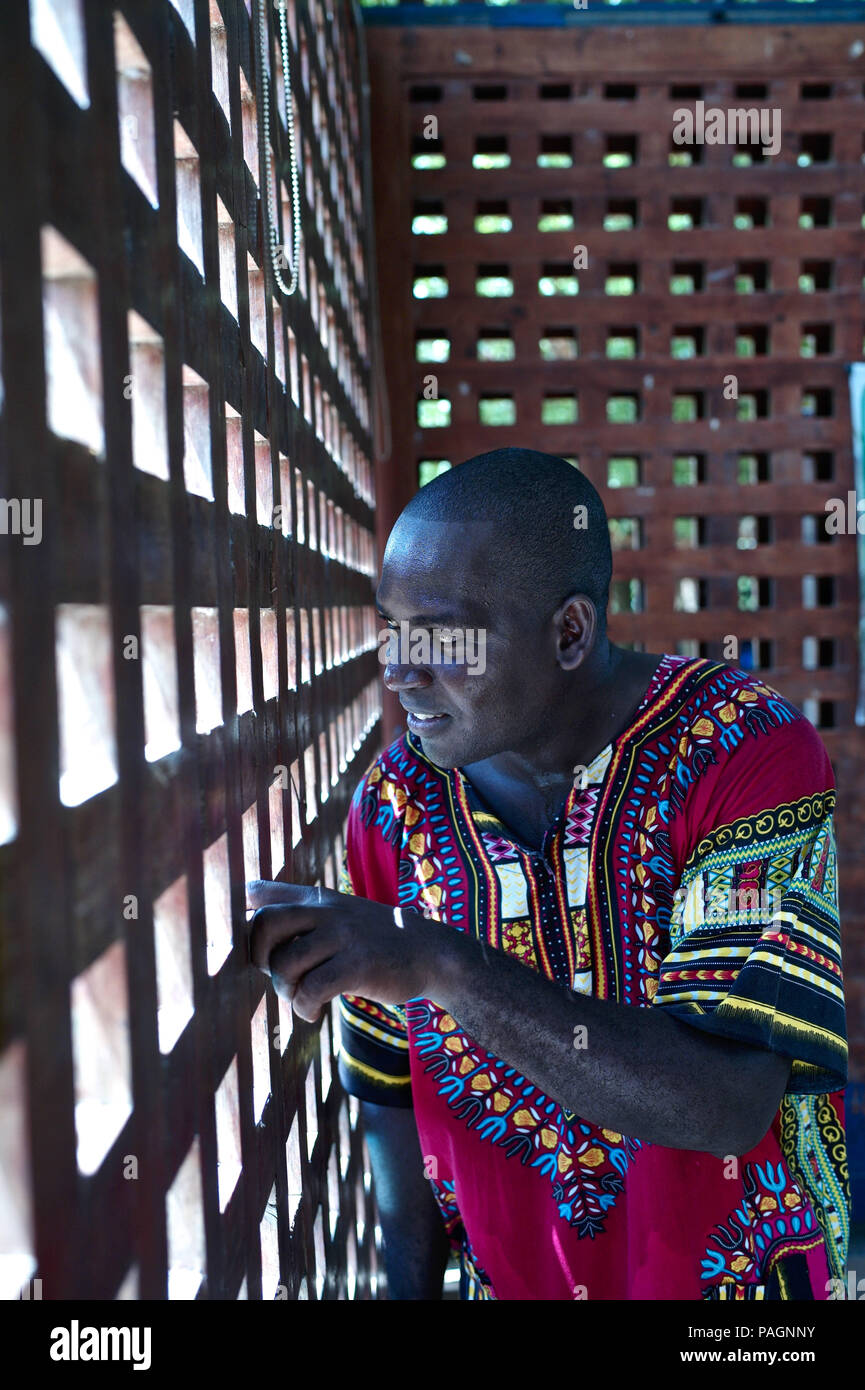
(601,1046)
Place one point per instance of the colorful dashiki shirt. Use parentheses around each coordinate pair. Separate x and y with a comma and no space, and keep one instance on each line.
(694,872)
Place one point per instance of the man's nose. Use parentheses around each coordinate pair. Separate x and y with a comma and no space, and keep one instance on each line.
(403,676)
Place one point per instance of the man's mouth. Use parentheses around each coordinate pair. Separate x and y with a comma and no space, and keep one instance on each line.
(425,722)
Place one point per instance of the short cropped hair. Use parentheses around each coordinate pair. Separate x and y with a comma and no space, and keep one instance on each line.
(552,535)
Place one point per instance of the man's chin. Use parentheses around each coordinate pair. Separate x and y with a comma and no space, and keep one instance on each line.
(438,748)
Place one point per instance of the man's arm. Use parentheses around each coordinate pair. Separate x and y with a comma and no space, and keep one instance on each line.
(638,1071)
(641,1071)
(415,1242)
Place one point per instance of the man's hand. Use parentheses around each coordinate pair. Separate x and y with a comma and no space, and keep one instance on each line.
(316,944)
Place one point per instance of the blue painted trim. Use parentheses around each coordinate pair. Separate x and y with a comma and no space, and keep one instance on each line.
(656,12)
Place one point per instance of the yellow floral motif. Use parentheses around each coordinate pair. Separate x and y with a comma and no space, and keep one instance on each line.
(375,775)
(741,1262)
(791,1199)
(453,1044)
(465,1065)
(481,1083)
(768,1204)
(651,986)
(425,869)
(500,1102)
(412,815)
(703,728)
(612,1134)
(727,713)
(549,1138)
(417,842)
(447,1023)
(592,1157)
(564,1163)
(524,1117)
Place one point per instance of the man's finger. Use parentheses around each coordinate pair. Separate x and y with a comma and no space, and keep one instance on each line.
(321,984)
(261,893)
(291,960)
(271,925)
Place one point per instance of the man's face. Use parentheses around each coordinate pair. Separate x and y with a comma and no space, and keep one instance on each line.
(497,695)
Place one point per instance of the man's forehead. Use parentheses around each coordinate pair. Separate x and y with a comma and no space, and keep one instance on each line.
(438,562)
(446,546)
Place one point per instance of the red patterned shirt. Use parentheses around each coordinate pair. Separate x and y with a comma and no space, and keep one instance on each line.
(693,871)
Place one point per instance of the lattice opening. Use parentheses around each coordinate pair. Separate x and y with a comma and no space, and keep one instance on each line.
(623,278)
(159,675)
(8,788)
(260,1042)
(243,660)
(197,466)
(277,834)
(320,1255)
(185,1228)
(135,107)
(219,60)
(188,180)
(229,1162)
(752,340)
(217,904)
(70,305)
(208,688)
(146,391)
(333,1192)
(257,313)
(227,257)
(17,1257)
(173,963)
(269,1242)
(294,1170)
(100,1046)
(249,123)
(57,30)
(85,693)
(625,533)
(296,823)
(623,470)
(687,277)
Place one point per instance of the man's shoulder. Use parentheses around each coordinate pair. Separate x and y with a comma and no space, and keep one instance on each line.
(735,746)
(718,701)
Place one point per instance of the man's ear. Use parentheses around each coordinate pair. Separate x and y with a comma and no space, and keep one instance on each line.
(577,628)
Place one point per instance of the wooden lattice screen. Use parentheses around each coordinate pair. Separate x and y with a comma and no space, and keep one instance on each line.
(192,634)
(498,153)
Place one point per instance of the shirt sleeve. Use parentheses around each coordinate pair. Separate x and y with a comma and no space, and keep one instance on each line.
(755,939)
(373,1052)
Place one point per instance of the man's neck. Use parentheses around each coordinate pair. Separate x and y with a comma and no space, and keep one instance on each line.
(609,696)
